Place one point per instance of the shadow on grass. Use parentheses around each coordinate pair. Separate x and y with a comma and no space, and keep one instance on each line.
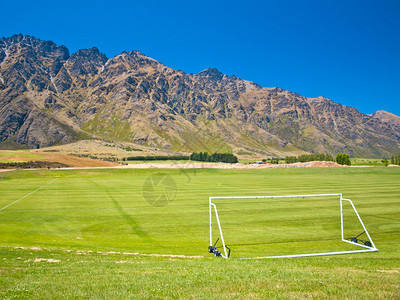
(128,218)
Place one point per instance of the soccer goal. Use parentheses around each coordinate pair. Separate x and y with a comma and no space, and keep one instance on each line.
(288,226)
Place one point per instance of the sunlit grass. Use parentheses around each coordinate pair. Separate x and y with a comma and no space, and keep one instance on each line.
(91,211)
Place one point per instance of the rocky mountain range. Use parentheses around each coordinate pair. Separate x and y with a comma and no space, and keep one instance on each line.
(49,96)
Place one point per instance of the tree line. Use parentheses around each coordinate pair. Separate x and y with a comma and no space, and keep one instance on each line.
(32,165)
(395,159)
(202,156)
(214,157)
(157,157)
(341,158)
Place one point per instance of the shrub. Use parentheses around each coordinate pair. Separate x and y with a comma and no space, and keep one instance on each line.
(308,157)
(343,159)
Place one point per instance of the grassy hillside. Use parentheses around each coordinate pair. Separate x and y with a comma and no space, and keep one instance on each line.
(77,225)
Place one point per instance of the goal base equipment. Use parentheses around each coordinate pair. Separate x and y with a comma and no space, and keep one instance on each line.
(217,253)
(225,252)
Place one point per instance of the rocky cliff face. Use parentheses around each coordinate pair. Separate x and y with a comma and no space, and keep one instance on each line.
(388,118)
(49,97)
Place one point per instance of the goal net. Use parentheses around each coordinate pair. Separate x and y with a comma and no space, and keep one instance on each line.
(286,226)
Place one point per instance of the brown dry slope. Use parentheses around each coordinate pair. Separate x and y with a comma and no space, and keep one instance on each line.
(107,150)
(74,161)
(71,161)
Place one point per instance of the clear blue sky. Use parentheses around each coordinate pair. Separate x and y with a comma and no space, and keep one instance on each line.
(348,51)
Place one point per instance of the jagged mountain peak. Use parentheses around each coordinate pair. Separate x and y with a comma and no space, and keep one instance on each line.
(132,60)
(20,38)
(85,62)
(37,46)
(16,38)
(132,97)
(211,73)
(139,56)
(91,54)
(94,51)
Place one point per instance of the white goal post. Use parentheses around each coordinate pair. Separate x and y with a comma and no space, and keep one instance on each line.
(368,246)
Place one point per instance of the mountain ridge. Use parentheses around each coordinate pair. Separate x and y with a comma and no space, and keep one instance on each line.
(134,98)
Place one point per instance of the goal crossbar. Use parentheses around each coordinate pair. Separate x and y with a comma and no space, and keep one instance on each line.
(368,248)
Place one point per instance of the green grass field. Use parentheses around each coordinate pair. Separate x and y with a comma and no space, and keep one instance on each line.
(77,225)
(18,154)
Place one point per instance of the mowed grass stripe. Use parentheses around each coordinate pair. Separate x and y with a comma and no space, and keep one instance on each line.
(27,195)
(104,210)
(108,206)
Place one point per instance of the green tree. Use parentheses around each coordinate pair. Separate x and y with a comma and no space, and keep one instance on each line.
(290,159)
(214,157)
(343,159)
(328,157)
(274,160)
